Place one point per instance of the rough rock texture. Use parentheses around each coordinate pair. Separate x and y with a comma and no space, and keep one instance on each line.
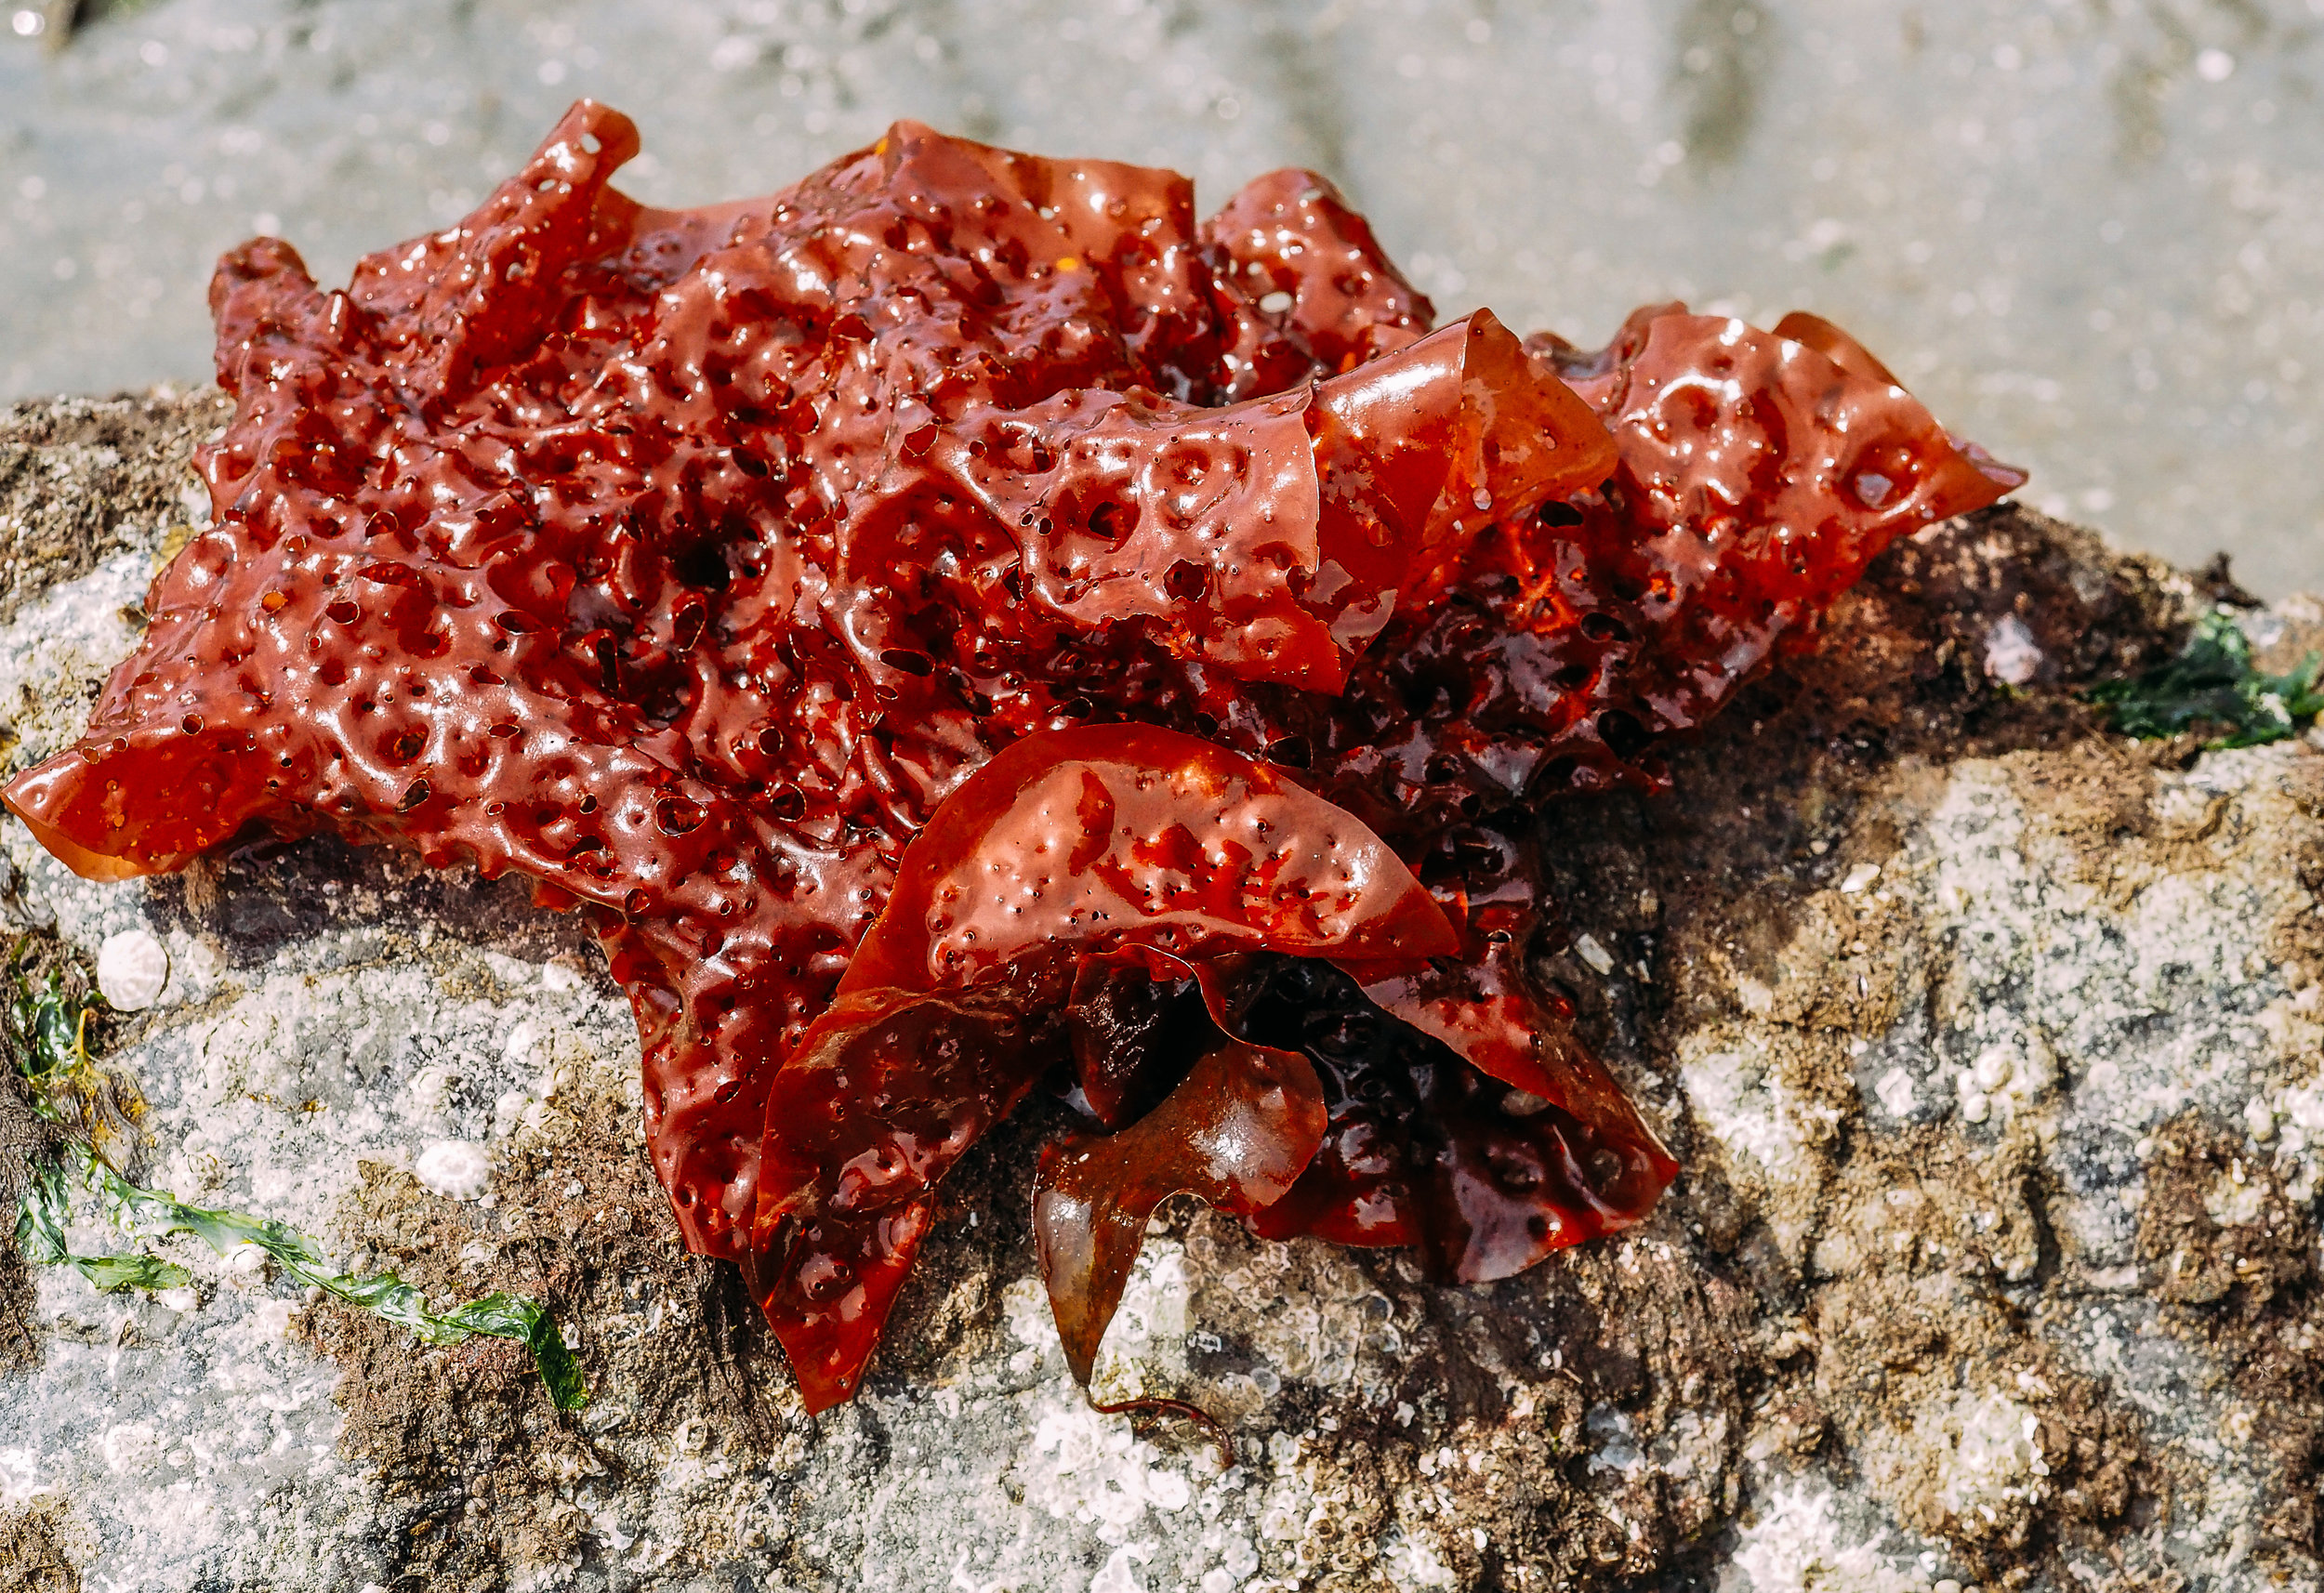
(1990,1043)
(81,478)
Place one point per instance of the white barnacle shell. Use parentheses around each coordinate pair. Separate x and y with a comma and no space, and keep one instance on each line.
(131,969)
(455,1167)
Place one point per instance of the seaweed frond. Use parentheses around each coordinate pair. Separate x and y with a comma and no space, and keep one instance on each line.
(2212,687)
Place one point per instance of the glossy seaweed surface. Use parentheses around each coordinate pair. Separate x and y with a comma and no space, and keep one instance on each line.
(963,617)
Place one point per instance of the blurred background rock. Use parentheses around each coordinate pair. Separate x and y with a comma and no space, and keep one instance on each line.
(2089,232)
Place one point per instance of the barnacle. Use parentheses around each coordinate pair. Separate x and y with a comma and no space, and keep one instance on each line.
(960,619)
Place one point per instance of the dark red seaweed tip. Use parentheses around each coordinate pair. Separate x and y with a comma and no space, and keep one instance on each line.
(2009,478)
(826,1293)
(1185,1410)
(1838,347)
(590,139)
(92,807)
(1235,1133)
(1957,494)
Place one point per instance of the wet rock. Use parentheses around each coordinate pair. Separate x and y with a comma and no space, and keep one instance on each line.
(1990,1043)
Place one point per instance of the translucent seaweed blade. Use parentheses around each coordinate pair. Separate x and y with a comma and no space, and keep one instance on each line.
(40,1237)
(112,1274)
(2213,686)
(506,1316)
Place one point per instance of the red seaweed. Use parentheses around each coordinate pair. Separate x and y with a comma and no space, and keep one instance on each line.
(961,618)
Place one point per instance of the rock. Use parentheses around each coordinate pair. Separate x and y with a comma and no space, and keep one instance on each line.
(1989,1041)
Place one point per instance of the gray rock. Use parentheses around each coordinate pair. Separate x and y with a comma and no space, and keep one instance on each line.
(1990,1042)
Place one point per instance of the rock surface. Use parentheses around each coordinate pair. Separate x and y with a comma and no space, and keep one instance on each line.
(1990,1043)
